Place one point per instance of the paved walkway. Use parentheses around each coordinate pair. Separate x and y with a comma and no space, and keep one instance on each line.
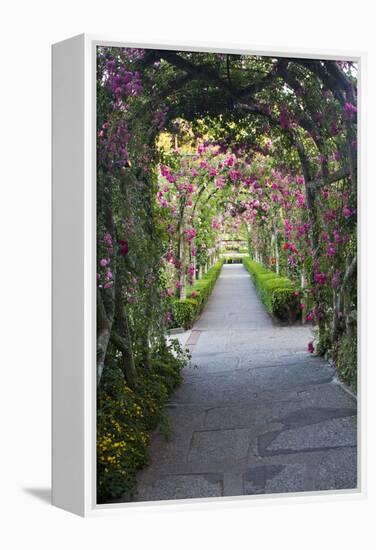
(257,415)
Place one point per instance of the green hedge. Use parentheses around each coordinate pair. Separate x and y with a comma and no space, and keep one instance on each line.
(185,312)
(277,293)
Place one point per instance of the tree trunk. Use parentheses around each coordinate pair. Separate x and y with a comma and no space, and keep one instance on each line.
(276,255)
(104,326)
(122,340)
(338,302)
(302,286)
(182,291)
(183,275)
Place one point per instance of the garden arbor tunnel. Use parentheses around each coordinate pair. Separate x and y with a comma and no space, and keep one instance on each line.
(270,142)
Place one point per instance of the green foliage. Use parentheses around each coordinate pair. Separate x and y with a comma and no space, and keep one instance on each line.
(185,312)
(346,359)
(125,417)
(323,338)
(285,304)
(277,293)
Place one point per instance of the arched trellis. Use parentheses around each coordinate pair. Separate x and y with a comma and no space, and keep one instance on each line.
(240,98)
(196,87)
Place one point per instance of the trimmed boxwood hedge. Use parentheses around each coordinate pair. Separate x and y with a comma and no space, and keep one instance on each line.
(277,293)
(185,312)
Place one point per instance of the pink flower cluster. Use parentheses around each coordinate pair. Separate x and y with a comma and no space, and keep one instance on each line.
(112,144)
(121,82)
(350,110)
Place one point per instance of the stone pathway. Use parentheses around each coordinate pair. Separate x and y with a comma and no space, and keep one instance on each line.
(258,414)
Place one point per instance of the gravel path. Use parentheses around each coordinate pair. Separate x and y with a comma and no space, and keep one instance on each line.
(257,414)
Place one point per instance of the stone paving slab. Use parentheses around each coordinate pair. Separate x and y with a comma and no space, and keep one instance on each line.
(224,445)
(275,478)
(290,413)
(337,470)
(292,376)
(338,432)
(240,384)
(256,413)
(181,486)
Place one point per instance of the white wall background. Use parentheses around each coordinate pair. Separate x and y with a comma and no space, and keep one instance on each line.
(27,30)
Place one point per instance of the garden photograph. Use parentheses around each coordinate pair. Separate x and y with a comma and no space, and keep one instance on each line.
(226,275)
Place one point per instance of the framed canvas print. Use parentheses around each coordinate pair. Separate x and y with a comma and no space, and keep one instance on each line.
(205,274)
